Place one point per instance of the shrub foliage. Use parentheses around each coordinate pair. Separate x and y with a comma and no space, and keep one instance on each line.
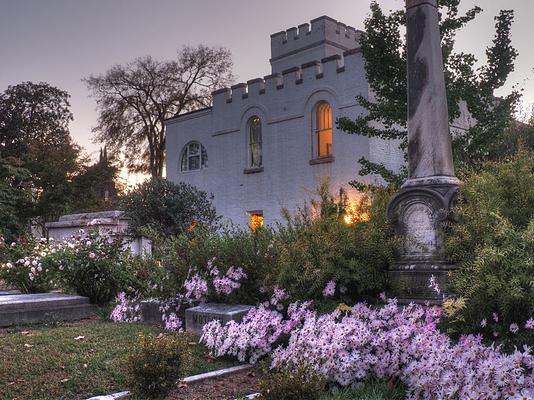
(167,208)
(316,250)
(493,246)
(300,384)
(156,363)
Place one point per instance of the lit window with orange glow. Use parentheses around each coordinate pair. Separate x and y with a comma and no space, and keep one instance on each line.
(323,129)
(256,220)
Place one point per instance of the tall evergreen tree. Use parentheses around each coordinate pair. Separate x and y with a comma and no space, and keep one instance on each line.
(384,49)
(96,188)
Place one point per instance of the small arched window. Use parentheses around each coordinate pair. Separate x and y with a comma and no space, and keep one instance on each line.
(194,156)
(254,142)
(323,129)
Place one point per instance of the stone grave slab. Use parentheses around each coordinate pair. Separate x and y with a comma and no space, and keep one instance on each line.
(18,309)
(197,317)
(150,312)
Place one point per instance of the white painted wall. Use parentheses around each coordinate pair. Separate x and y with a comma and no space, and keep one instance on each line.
(284,103)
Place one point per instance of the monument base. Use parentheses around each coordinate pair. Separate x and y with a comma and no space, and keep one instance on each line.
(418,212)
(410,281)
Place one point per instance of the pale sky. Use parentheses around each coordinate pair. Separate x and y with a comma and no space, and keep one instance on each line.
(61,41)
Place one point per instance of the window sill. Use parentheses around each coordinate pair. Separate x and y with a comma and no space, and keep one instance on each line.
(254,170)
(322,160)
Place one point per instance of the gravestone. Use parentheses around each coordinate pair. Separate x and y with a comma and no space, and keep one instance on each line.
(419,209)
(150,312)
(16,309)
(197,317)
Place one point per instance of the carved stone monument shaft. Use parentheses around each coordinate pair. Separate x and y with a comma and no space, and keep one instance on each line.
(429,140)
(421,206)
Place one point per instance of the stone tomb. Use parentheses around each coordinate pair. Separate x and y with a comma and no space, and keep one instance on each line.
(106,223)
(197,317)
(16,309)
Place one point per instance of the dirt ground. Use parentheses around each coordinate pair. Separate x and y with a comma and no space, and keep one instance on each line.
(226,388)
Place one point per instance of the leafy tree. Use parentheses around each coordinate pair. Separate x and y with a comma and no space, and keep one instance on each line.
(33,114)
(135,99)
(168,209)
(384,50)
(15,199)
(52,170)
(96,187)
(34,120)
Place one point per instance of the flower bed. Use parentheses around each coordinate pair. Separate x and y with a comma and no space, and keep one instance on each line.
(197,288)
(352,345)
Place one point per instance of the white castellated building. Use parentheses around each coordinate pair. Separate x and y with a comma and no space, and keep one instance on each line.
(267,144)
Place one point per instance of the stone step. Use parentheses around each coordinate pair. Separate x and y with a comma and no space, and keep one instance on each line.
(43,307)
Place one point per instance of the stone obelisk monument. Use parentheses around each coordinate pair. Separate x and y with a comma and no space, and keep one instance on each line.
(420,207)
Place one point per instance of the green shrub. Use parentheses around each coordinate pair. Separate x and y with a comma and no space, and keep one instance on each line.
(314,247)
(493,246)
(93,266)
(146,276)
(301,384)
(317,245)
(254,252)
(156,364)
(167,208)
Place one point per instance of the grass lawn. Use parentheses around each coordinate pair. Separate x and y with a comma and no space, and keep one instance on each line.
(368,391)
(54,362)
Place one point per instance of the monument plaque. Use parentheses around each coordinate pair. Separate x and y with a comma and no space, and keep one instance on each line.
(420,236)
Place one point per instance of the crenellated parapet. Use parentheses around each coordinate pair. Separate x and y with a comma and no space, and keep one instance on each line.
(308,73)
(321,37)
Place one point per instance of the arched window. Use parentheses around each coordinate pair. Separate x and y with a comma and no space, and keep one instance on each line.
(323,129)
(194,156)
(254,142)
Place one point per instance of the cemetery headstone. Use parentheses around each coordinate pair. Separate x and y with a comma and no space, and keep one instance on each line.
(197,317)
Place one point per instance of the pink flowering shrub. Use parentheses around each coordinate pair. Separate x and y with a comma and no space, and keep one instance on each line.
(226,284)
(89,264)
(196,288)
(92,265)
(27,266)
(234,262)
(256,336)
(385,343)
(127,309)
